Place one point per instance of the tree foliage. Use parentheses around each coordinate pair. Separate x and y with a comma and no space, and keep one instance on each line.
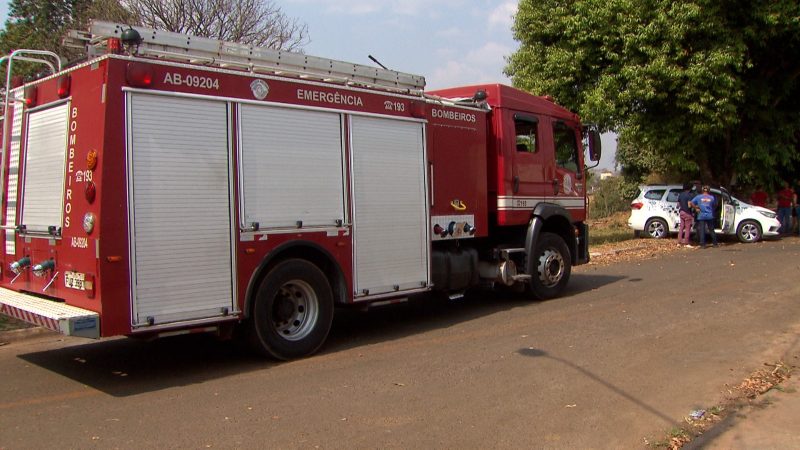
(612,195)
(42,24)
(697,88)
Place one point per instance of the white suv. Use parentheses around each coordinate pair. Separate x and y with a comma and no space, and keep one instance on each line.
(654,213)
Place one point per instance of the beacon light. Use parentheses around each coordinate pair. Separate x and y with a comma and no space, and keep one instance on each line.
(114,45)
(140,75)
(30,96)
(64,85)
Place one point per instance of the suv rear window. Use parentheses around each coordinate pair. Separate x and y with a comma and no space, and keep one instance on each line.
(673,195)
(654,194)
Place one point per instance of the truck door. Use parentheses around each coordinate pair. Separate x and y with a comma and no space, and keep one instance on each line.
(568,185)
(530,182)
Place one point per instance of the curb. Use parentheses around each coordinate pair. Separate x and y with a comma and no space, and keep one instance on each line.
(7,337)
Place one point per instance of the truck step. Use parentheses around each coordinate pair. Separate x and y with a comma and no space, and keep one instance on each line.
(59,317)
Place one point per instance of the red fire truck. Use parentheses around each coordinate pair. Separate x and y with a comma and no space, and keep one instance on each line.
(173,184)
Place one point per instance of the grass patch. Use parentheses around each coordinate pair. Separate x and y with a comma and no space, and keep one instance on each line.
(613,228)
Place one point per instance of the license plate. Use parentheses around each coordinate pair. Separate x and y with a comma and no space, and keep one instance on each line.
(75,280)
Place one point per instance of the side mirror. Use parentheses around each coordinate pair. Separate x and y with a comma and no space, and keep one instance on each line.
(595,146)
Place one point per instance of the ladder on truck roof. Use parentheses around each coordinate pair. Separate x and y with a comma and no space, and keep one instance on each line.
(213,52)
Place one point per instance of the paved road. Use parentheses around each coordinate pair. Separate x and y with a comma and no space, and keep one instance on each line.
(627,353)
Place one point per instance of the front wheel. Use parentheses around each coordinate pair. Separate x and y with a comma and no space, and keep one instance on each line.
(552,265)
(292,311)
(749,231)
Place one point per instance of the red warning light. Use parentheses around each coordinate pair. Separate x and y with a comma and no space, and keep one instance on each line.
(91,192)
(30,96)
(64,84)
(114,45)
(140,75)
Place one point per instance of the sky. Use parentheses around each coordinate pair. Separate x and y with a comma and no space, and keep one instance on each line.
(449,42)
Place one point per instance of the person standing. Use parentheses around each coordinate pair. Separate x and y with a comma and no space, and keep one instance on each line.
(705,204)
(796,211)
(759,197)
(686,215)
(785,203)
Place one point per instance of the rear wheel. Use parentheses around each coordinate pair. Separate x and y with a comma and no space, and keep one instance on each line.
(749,231)
(552,266)
(656,228)
(292,311)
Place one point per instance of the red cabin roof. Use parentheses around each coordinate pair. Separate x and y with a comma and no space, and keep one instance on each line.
(502,96)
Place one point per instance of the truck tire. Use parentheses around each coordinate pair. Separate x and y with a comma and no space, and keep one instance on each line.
(552,263)
(292,311)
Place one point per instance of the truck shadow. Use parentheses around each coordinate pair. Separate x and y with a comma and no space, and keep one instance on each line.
(123,367)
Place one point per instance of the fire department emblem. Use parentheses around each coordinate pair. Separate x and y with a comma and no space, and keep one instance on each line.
(260,89)
(567,184)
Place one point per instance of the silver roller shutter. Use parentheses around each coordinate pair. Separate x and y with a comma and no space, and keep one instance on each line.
(13,174)
(181,233)
(292,167)
(45,158)
(390,207)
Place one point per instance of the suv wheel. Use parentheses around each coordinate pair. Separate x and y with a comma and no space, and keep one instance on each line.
(749,231)
(656,228)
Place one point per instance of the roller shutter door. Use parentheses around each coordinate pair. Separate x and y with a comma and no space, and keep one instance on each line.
(390,209)
(292,165)
(180,209)
(45,157)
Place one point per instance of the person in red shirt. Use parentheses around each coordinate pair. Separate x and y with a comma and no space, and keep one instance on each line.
(759,197)
(786,201)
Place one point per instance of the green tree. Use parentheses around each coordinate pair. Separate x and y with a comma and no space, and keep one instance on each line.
(697,88)
(42,24)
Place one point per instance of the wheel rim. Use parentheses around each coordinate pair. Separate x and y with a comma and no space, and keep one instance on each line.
(551,267)
(749,232)
(295,310)
(656,229)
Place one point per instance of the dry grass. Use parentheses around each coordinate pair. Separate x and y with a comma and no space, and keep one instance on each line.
(609,229)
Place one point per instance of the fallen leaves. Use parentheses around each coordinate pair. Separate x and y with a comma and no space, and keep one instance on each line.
(764,380)
(632,250)
(700,421)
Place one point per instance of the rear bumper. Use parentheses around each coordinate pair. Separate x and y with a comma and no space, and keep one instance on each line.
(59,317)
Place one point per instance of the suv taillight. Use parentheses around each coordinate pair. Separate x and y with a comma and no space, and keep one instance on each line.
(637,205)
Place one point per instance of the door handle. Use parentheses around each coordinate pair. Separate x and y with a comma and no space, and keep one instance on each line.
(555,186)
(515,187)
